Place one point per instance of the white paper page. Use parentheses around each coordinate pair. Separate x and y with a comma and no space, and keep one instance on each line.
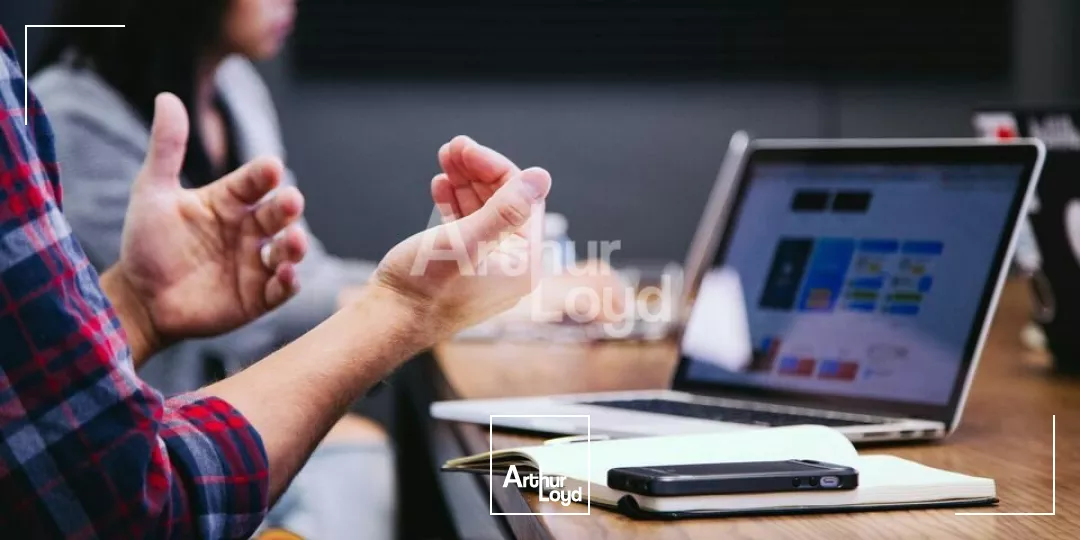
(882,478)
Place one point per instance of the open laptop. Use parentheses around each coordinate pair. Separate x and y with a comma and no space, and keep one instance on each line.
(847,283)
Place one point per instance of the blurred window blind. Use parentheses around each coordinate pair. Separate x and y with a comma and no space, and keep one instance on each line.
(646,39)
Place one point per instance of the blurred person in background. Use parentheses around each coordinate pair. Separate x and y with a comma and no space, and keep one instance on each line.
(98,86)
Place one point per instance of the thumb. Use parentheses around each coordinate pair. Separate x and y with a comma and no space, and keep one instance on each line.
(168,141)
(508,209)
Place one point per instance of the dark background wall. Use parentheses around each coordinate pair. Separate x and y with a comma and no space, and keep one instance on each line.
(633,161)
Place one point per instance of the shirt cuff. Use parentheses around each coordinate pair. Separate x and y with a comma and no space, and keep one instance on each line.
(226,470)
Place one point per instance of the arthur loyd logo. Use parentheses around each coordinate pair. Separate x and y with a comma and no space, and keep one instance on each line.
(549,488)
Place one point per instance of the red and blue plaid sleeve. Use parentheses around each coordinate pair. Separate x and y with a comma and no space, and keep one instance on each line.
(88,450)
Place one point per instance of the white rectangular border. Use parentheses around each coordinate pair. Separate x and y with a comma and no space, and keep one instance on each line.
(491,464)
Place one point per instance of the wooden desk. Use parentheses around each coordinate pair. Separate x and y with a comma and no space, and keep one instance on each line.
(1005,435)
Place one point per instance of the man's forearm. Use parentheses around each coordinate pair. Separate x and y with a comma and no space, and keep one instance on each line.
(295,395)
(136,321)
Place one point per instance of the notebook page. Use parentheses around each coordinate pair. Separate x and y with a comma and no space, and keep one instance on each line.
(888,478)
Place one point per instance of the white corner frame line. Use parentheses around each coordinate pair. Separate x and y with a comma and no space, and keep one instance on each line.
(1053,485)
(26,57)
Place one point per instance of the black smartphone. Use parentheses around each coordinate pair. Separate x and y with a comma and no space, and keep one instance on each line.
(727,478)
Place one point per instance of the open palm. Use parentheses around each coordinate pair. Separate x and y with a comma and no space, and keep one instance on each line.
(193,256)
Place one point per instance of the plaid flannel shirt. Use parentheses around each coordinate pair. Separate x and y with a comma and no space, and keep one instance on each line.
(87,449)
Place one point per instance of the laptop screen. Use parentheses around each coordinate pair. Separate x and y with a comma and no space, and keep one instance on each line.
(854,279)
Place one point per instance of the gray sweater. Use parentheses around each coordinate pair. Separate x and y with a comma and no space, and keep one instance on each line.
(101,143)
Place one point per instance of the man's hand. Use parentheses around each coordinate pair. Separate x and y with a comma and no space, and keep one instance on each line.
(190,260)
(485,256)
(426,287)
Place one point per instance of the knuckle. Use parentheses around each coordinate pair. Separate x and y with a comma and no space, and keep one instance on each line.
(513,212)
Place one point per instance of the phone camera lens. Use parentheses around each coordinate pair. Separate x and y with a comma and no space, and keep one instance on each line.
(813,481)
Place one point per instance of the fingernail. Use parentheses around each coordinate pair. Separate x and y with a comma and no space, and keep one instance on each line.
(535,183)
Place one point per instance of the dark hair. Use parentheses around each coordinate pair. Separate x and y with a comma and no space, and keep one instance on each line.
(158,51)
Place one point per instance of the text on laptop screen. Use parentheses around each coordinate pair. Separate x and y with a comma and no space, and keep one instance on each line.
(852,280)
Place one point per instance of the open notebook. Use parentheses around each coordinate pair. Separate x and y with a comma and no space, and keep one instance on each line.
(884,481)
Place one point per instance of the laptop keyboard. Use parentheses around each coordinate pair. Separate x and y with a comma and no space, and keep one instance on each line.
(721,413)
